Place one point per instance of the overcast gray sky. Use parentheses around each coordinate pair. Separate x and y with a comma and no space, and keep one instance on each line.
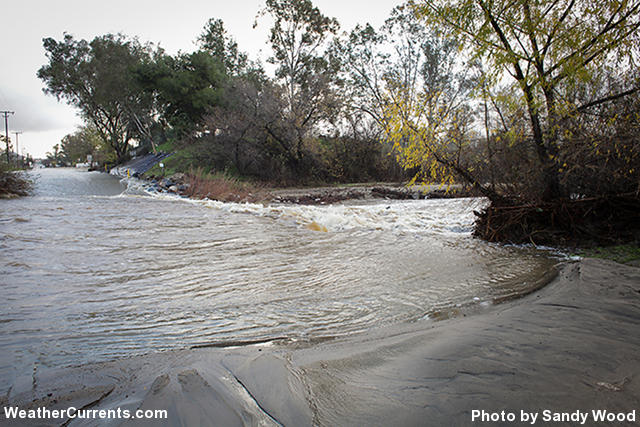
(173,25)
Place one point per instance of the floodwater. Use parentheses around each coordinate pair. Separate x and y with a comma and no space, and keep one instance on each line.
(92,269)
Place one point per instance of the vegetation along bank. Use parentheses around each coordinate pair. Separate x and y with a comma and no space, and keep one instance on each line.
(534,105)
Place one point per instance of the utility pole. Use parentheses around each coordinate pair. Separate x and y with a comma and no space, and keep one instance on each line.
(6,132)
(18,159)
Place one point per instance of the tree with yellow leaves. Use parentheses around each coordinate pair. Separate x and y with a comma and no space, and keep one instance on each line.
(547,48)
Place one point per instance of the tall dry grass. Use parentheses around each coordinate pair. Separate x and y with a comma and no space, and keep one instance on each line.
(220,186)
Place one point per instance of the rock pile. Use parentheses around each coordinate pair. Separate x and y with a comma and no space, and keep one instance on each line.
(176,184)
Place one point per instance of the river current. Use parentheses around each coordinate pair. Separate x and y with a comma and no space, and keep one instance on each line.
(93,268)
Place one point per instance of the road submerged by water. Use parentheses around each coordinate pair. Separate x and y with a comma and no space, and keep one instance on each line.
(95,269)
(572,348)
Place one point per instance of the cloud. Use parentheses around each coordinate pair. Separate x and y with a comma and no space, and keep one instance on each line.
(35,111)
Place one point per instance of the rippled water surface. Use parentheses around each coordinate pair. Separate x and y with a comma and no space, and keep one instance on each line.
(92,270)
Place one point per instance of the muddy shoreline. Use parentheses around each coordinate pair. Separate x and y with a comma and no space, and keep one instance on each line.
(572,345)
(319,195)
(323,195)
(328,195)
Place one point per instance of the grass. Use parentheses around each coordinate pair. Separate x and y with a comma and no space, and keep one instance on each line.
(180,161)
(624,254)
(220,186)
(201,182)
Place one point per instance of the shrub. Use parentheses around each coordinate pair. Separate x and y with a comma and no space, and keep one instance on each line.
(13,184)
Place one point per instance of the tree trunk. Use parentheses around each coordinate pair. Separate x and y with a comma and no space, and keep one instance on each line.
(546,152)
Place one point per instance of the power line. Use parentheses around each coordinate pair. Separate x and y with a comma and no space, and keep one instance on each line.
(6,131)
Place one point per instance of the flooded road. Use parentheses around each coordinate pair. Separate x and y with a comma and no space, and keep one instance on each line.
(92,269)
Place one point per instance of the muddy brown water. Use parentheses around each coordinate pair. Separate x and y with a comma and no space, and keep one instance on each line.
(92,269)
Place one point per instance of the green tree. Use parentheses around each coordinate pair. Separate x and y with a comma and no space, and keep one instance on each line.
(56,157)
(186,87)
(75,148)
(298,39)
(85,141)
(6,153)
(547,48)
(96,77)
(215,40)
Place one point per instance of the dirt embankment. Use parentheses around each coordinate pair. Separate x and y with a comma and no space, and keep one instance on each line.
(328,195)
